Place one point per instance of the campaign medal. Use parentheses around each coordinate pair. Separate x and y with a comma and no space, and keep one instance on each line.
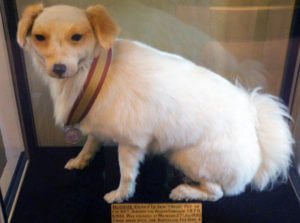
(72,135)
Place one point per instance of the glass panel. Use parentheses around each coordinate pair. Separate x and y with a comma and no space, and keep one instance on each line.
(10,134)
(6,168)
(243,40)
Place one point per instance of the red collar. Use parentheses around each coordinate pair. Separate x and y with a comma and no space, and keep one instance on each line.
(91,88)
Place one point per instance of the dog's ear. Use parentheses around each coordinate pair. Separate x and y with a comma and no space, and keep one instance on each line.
(27,19)
(105,27)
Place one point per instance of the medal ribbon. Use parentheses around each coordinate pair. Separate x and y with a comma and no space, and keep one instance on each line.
(91,88)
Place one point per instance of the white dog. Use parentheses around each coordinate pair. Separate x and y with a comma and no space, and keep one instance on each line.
(218,134)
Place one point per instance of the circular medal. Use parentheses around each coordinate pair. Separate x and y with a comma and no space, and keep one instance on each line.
(72,135)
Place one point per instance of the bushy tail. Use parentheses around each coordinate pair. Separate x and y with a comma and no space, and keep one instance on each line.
(274,137)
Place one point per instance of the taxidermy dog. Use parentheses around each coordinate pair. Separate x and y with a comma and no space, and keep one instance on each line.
(219,135)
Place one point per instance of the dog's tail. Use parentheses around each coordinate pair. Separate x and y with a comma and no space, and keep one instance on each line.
(275,139)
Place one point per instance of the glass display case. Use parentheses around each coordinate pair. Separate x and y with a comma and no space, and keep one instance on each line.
(252,42)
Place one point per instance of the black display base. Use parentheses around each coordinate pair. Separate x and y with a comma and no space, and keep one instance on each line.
(52,194)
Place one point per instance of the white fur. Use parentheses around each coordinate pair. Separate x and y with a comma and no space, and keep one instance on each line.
(218,134)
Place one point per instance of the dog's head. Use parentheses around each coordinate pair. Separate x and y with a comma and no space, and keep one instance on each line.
(63,38)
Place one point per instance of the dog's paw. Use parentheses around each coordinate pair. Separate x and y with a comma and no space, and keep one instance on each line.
(179,193)
(115,196)
(188,192)
(76,163)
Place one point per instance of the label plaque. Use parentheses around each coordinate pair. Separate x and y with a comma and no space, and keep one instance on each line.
(162,213)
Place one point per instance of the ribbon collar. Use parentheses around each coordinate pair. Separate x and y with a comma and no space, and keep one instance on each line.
(91,88)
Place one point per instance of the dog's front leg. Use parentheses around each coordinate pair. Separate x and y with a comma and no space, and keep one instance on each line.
(85,156)
(129,158)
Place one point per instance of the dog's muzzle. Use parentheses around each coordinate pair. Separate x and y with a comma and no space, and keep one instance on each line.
(59,69)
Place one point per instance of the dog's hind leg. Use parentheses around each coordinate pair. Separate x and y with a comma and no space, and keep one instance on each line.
(85,156)
(206,191)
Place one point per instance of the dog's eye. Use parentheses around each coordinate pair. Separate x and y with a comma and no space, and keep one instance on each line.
(76,37)
(40,37)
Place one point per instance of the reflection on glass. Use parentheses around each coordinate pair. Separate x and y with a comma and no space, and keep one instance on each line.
(243,40)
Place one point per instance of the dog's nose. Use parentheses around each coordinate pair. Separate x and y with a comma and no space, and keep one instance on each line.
(59,69)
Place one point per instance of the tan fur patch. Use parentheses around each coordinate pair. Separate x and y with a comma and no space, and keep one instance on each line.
(105,27)
(29,15)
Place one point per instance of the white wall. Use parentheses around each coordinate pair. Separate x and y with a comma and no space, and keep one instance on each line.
(9,120)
